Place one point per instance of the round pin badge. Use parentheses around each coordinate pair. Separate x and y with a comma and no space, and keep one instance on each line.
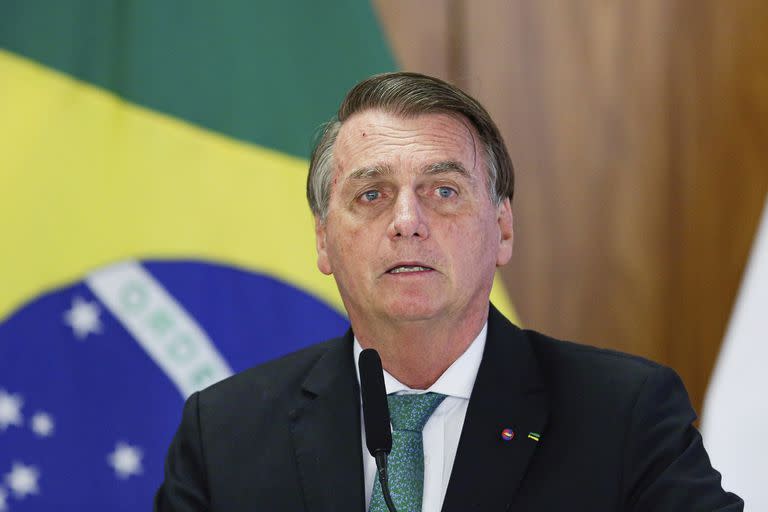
(507,434)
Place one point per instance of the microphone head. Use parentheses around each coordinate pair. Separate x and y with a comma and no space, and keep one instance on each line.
(378,434)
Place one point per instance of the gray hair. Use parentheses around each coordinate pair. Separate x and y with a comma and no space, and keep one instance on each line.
(409,95)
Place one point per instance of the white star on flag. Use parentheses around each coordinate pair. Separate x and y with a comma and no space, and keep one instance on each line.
(10,410)
(126,460)
(3,498)
(42,424)
(22,480)
(83,318)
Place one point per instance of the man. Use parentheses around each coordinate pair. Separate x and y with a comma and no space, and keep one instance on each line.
(411,190)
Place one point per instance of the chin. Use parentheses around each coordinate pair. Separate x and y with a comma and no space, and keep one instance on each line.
(412,310)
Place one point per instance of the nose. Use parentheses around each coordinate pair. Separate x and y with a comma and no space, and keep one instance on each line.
(408,218)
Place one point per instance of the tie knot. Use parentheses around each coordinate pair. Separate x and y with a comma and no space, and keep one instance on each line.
(411,412)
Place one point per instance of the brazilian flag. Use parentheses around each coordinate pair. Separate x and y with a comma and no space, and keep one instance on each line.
(155,236)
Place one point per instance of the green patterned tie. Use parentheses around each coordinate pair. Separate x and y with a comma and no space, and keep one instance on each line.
(409,414)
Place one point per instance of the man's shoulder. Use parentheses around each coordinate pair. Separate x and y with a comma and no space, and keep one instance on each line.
(273,379)
(566,355)
(558,360)
(576,371)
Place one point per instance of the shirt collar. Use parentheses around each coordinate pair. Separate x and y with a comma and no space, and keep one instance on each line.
(457,381)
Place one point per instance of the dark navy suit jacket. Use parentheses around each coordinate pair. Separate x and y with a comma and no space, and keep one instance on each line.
(614,434)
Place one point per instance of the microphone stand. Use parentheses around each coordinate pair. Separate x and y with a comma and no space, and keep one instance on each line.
(378,434)
(381,470)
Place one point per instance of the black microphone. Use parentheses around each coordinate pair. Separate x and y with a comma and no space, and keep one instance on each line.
(378,434)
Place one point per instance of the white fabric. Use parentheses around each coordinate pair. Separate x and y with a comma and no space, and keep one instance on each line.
(442,430)
(735,416)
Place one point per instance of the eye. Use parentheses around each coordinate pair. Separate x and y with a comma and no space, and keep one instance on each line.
(370,195)
(445,192)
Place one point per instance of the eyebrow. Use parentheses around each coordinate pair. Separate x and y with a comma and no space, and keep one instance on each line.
(378,171)
(366,173)
(447,167)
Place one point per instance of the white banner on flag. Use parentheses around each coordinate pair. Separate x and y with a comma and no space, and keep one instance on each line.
(162,327)
(735,416)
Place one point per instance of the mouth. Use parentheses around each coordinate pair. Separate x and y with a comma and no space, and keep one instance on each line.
(408,268)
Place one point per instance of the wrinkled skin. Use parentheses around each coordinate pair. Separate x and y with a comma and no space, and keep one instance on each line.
(412,194)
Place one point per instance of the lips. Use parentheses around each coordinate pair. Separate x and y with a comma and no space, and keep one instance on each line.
(404,268)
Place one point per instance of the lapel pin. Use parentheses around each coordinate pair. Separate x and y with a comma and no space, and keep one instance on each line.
(534,435)
(507,434)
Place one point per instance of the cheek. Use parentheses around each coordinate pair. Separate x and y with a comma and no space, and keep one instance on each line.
(346,246)
(476,244)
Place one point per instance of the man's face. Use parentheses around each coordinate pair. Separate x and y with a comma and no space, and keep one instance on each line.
(411,232)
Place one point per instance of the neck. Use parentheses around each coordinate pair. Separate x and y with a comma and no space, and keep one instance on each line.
(417,353)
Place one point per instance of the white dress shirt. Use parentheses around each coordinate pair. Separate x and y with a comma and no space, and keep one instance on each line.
(442,430)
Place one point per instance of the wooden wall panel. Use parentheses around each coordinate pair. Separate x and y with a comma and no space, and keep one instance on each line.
(419,34)
(719,113)
(639,132)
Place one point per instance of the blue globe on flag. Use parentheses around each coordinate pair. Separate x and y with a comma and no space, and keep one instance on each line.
(93,375)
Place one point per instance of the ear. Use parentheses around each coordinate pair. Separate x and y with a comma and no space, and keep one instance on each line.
(323,262)
(506,231)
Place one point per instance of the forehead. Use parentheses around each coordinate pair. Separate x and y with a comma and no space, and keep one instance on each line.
(375,137)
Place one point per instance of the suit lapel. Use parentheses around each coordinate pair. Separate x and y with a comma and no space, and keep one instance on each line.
(508,393)
(326,433)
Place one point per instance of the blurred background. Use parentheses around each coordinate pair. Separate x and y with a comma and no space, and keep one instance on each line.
(171,138)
